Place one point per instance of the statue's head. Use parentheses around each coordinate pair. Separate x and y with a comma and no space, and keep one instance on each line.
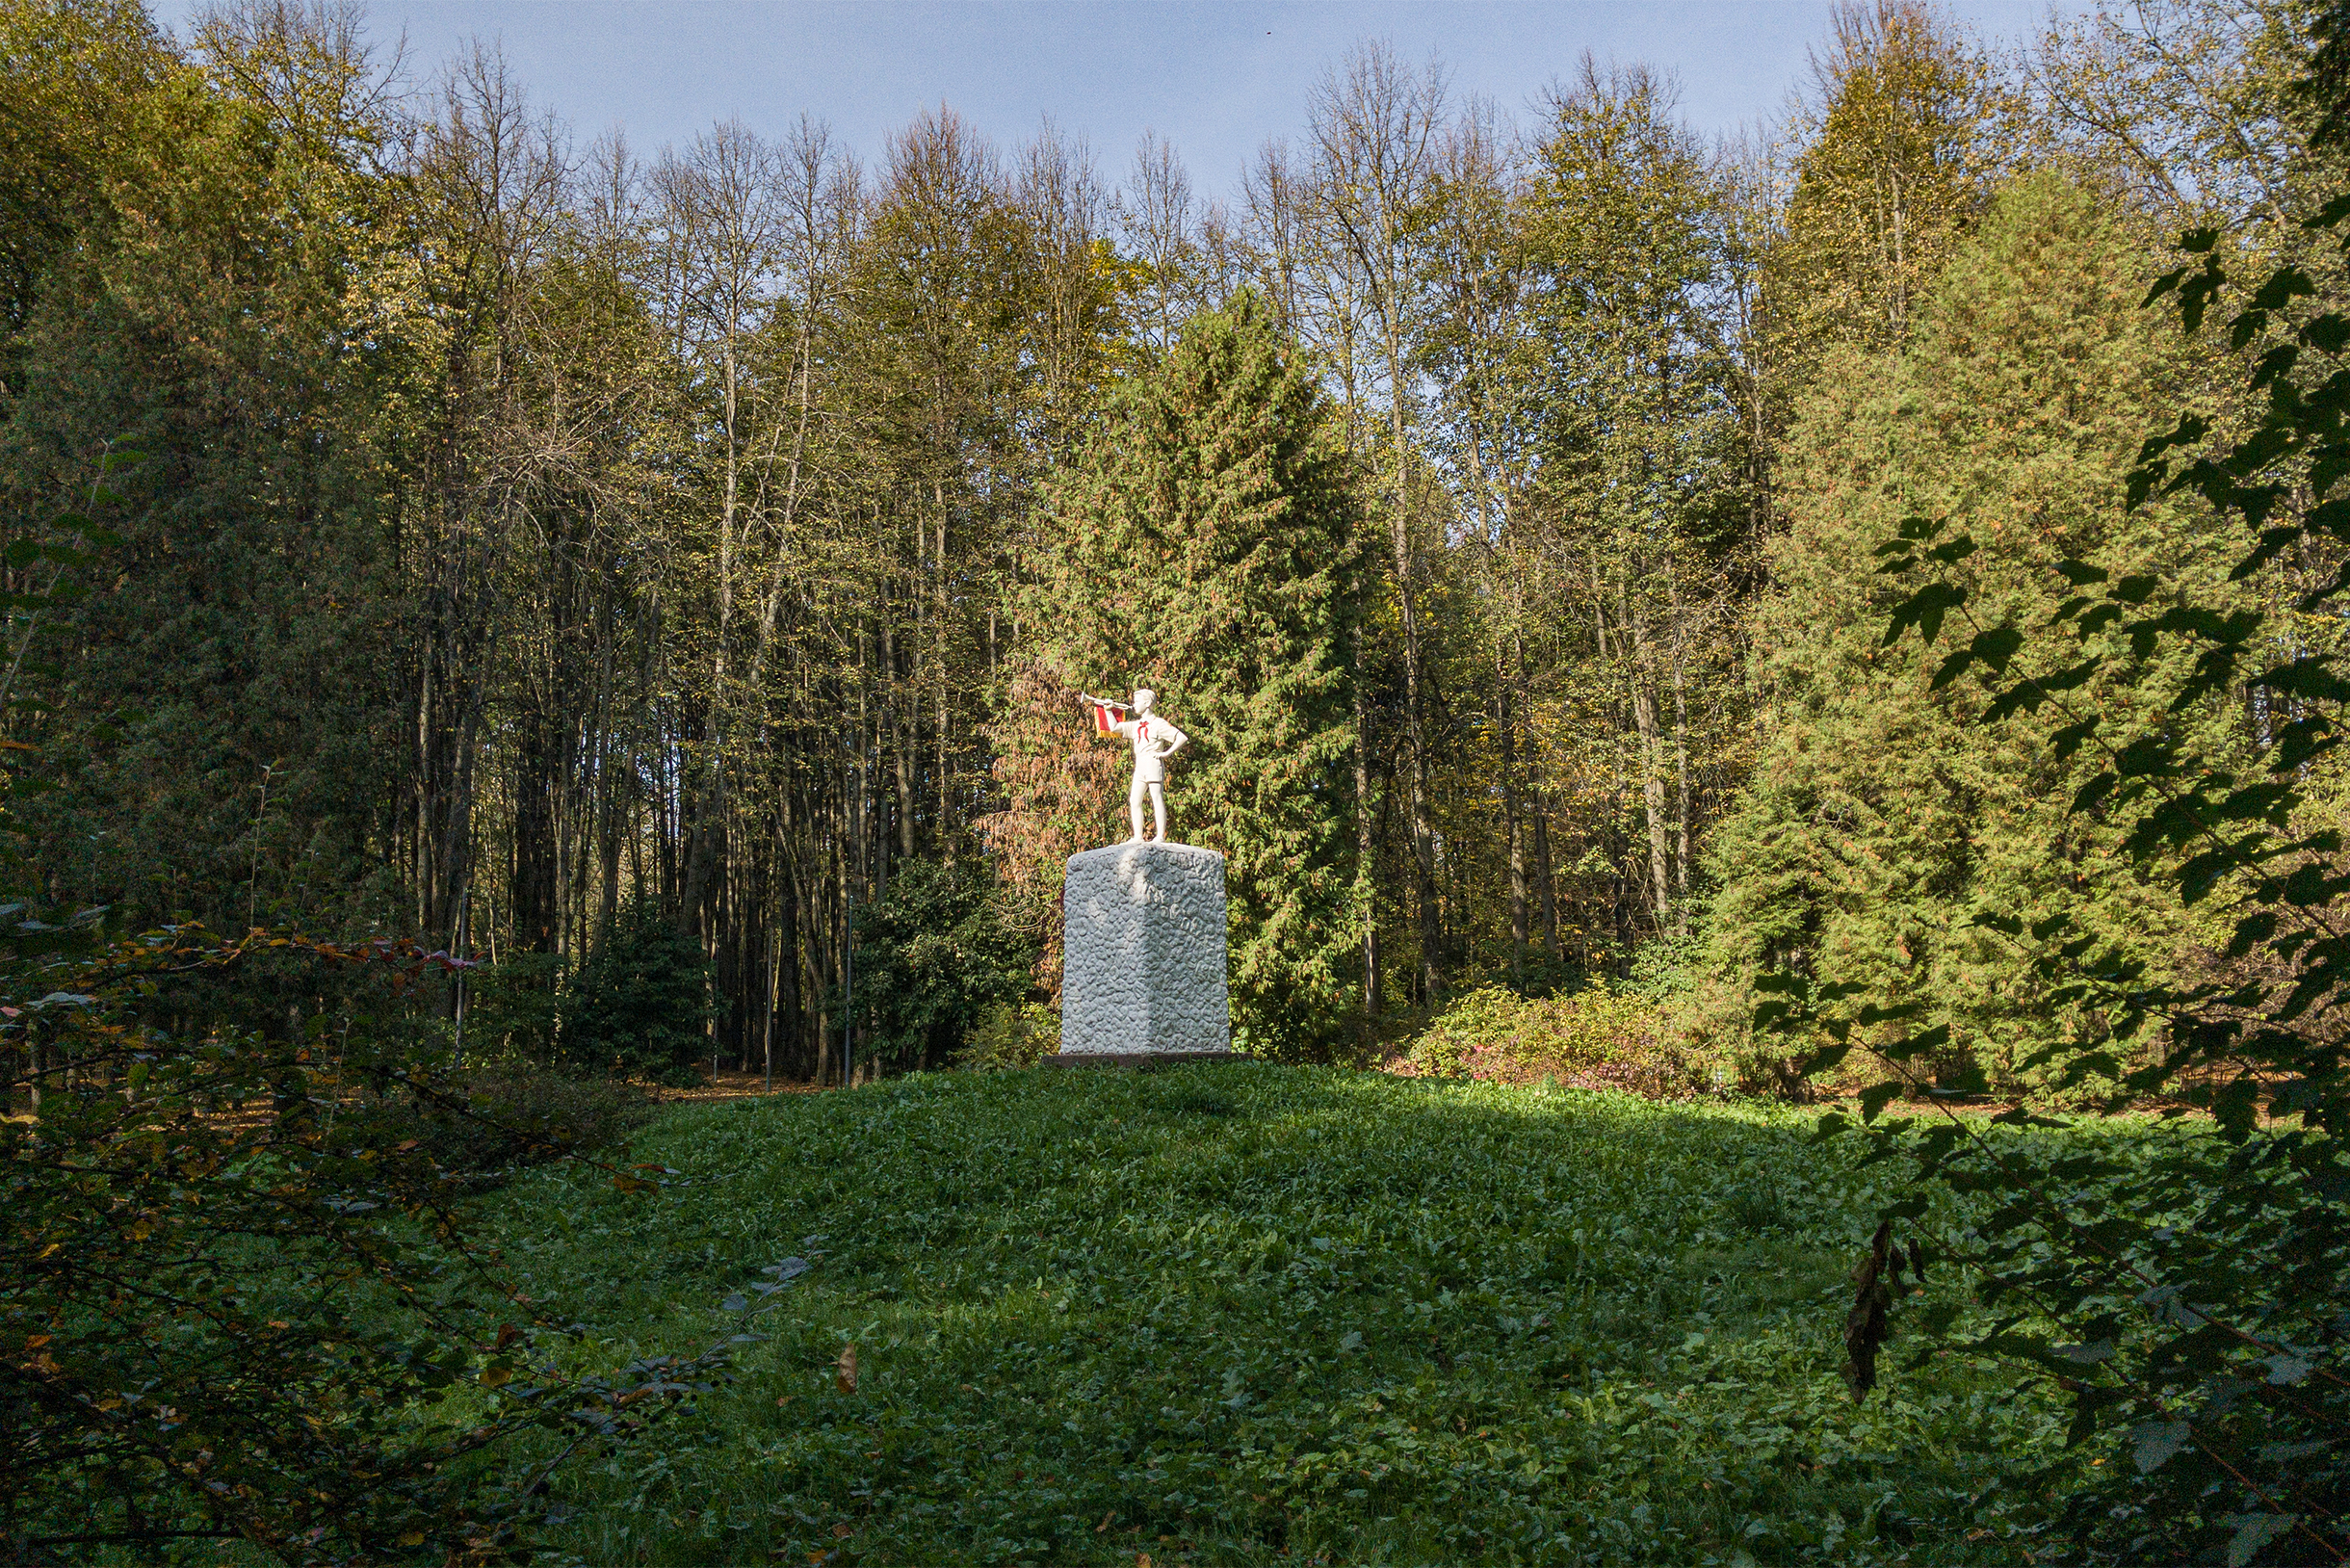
(1144,698)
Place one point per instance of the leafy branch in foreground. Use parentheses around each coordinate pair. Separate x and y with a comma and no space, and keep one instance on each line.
(2189,1291)
(237,1298)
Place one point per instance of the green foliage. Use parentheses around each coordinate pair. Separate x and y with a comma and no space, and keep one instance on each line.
(931,958)
(513,1007)
(1882,814)
(515,532)
(236,1302)
(2187,1291)
(472,1134)
(1901,145)
(1216,1315)
(223,310)
(1011,1035)
(639,1004)
(1644,474)
(1203,544)
(1598,1036)
(636,1006)
(77,79)
(1640,437)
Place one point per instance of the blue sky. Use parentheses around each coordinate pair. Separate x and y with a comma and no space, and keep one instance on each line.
(1215,77)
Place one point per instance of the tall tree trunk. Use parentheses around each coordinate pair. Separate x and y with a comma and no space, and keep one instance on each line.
(1545,876)
(1513,823)
(422,869)
(901,749)
(702,857)
(1366,836)
(938,570)
(1681,756)
(1651,748)
(1406,562)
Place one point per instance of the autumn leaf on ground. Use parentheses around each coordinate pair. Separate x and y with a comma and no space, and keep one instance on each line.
(846,1375)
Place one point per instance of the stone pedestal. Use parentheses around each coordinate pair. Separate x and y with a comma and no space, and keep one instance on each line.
(1142,957)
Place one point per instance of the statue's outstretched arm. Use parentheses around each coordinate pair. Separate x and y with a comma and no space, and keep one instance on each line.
(1100,708)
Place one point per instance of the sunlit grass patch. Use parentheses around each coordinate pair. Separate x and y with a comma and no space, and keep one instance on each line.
(1255,1314)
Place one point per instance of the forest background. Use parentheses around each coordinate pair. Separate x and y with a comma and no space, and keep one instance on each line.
(644,570)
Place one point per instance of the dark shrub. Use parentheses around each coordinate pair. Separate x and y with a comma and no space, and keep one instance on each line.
(513,1008)
(640,1004)
(554,1114)
(930,958)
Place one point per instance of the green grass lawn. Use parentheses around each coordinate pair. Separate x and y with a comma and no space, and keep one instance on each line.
(1255,1314)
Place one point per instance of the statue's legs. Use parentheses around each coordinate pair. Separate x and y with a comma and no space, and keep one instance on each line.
(1134,808)
(1159,812)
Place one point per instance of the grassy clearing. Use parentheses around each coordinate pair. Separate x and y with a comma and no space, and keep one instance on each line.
(1253,1315)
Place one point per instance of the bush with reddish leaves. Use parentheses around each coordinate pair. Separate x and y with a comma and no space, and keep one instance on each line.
(1598,1037)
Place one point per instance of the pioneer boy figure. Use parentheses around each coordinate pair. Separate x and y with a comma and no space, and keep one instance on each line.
(1154,740)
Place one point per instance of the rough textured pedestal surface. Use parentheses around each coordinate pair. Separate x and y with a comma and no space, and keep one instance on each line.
(1136,1058)
(1142,955)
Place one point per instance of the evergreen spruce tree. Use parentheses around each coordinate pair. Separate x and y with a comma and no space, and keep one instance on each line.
(234,306)
(1203,544)
(1881,816)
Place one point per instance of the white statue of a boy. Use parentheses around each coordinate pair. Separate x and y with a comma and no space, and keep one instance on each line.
(1154,740)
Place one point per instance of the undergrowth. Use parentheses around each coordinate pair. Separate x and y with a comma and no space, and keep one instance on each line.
(1597,1038)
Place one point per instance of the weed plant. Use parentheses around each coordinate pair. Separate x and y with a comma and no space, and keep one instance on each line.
(1010,1035)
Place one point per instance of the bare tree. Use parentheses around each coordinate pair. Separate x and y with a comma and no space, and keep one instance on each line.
(494,175)
(1155,214)
(1058,191)
(1484,424)
(1271,216)
(1375,125)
